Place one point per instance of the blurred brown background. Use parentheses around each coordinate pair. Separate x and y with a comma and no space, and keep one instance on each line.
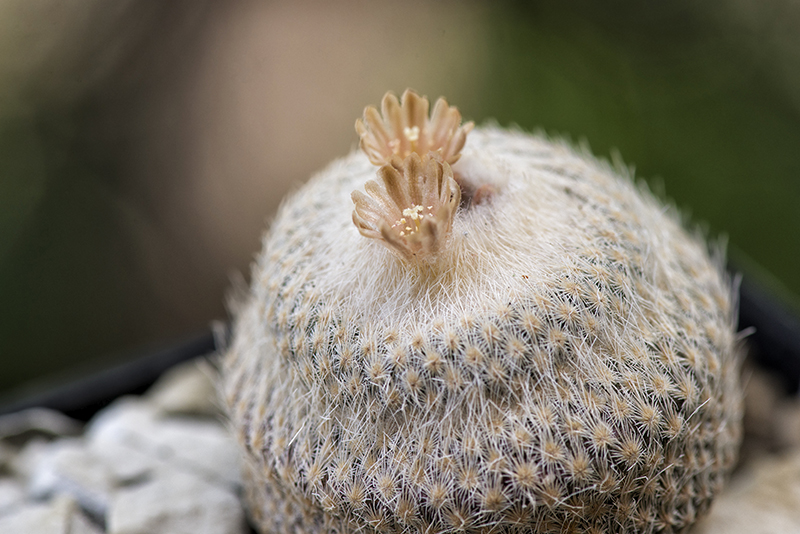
(144,145)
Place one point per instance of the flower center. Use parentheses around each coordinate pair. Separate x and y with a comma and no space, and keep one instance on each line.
(412,134)
(412,218)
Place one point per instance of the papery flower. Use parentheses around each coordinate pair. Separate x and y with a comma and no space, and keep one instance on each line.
(405,129)
(411,208)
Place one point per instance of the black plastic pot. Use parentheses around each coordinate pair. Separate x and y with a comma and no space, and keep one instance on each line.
(84,397)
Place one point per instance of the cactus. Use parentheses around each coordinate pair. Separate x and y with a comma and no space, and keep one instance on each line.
(524,341)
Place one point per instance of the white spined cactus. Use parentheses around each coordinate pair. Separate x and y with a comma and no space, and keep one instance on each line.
(544,349)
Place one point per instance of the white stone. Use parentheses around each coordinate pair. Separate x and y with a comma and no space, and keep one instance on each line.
(37,421)
(24,463)
(69,467)
(81,525)
(11,495)
(51,518)
(125,465)
(176,503)
(125,421)
(199,446)
(763,500)
(186,389)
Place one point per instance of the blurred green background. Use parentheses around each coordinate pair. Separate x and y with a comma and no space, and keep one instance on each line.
(144,144)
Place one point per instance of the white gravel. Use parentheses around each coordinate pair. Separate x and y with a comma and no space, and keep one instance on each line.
(158,463)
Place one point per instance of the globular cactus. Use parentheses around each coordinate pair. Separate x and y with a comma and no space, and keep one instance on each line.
(525,341)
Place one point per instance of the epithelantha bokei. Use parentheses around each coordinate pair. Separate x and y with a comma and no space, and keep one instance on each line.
(461,329)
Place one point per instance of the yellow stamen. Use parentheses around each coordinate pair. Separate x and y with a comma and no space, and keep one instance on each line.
(412,134)
(414,213)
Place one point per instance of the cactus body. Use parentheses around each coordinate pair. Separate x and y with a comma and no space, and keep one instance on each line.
(566,363)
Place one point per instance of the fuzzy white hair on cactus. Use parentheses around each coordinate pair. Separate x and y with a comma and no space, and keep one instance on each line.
(504,334)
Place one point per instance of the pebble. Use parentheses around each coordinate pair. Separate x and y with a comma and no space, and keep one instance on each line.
(17,428)
(54,517)
(11,496)
(70,468)
(186,389)
(763,500)
(199,445)
(28,458)
(82,525)
(176,503)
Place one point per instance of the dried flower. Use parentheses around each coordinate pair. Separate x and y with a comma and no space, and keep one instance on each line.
(405,129)
(411,213)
